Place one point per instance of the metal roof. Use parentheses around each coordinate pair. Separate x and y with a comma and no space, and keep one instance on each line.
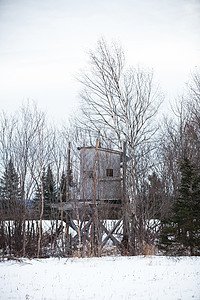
(101,149)
(106,150)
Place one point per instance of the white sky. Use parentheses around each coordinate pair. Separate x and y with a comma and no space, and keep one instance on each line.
(44,43)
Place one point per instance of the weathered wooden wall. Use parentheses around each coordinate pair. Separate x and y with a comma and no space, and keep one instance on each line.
(93,165)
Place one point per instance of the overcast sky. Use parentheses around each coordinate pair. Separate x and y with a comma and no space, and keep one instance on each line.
(44,43)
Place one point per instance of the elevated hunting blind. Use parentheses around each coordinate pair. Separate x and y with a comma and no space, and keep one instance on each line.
(102,198)
(100,176)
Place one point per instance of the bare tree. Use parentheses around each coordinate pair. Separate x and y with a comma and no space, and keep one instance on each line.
(7,132)
(18,143)
(41,155)
(23,145)
(120,104)
(179,139)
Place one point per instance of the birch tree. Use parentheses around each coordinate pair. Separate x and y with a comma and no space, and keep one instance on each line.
(120,103)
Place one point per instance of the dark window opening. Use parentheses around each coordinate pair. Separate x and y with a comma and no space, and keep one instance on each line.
(109,172)
(90,174)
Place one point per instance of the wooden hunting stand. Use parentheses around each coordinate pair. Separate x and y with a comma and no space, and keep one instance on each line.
(102,198)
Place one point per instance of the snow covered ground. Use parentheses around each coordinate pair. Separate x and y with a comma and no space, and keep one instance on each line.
(102,278)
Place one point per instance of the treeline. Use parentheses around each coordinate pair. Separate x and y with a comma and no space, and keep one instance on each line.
(34,175)
(40,163)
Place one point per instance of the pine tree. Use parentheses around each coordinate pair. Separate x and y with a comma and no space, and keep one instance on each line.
(12,207)
(180,233)
(36,203)
(63,186)
(66,180)
(10,192)
(50,193)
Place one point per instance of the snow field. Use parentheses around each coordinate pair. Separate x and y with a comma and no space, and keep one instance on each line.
(147,278)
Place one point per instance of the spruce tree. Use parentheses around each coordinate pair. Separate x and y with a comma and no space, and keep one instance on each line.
(66,180)
(10,192)
(180,233)
(63,186)
(12,207)
(50,193)
(36,203)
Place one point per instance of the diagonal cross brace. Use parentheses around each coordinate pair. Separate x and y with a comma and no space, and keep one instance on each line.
(83,230)
(110,235)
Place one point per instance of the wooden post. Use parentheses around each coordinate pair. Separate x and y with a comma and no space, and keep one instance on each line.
(42,195)
(67,236)
(68,172)
(84,209)
(96,235)
(125,240)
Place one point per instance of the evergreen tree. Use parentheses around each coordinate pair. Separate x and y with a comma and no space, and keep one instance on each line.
(36,203)
(12,208)
(10,192)
(180,233)
(63,186)
(50,193)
